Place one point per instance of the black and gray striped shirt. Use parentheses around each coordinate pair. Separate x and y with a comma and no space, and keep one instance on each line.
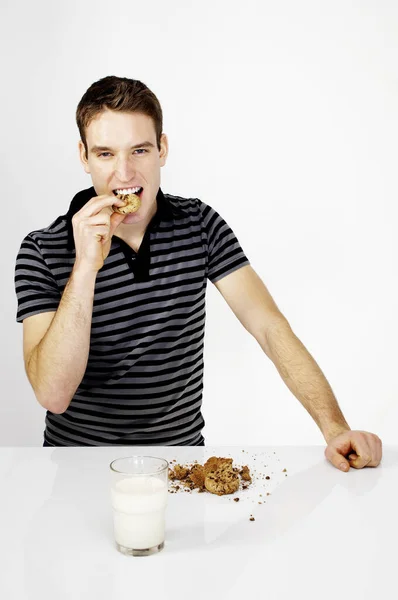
(144,378)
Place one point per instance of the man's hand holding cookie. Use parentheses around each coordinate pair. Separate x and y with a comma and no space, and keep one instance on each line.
(93,228)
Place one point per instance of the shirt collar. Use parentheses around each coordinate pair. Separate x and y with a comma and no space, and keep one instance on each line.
(165,211)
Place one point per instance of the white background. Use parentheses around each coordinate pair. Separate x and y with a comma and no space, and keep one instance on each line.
(280,115)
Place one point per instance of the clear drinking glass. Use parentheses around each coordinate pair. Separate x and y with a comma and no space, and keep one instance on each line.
(139,486)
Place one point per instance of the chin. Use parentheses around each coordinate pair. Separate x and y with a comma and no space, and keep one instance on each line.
(132,218)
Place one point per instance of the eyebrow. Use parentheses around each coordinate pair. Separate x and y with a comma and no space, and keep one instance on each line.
(95,149)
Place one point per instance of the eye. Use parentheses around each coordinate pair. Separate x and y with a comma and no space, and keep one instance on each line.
(140,150)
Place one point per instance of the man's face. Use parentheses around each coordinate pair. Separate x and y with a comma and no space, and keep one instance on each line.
(122,153)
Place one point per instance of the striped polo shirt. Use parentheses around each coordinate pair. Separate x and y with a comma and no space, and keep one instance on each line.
(143,382)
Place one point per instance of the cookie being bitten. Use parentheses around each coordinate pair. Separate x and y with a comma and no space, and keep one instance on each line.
(133,203)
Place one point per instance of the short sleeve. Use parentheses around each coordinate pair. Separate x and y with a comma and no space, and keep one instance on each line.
(35,287)
(225,254)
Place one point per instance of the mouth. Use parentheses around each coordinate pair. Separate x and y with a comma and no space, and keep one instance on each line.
(120,192)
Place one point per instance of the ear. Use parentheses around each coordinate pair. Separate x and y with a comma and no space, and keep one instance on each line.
(164,149)
(83,158)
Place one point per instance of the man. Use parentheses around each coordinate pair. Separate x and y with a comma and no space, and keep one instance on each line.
(113,306)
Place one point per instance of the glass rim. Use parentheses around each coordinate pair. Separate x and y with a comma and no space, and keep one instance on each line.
(166,466)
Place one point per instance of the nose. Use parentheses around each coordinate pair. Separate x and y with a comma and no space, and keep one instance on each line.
(124,170)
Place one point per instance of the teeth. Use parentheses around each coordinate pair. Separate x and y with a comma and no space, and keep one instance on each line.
(128,191)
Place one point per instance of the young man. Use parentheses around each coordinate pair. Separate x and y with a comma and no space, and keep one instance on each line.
(113,305)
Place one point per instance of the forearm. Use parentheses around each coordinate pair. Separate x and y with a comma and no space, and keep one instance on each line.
(304,378)
(57,364)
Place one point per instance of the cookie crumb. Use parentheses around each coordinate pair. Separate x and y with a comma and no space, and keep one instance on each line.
(252,519)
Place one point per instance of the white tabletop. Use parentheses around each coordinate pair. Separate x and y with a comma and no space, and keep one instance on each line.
(320,534)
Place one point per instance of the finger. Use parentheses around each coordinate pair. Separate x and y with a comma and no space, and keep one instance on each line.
(337,451)
(335,455)
(363,453)
(375,446)
(100,232)
(338,460)
(115,220)
(103,218)
(379,445)
(95,205)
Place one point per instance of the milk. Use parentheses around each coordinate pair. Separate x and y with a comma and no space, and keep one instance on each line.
(139,505)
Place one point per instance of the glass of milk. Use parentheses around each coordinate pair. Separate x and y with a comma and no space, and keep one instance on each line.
(139,487)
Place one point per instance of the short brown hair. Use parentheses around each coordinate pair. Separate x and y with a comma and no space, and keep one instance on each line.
(122,94)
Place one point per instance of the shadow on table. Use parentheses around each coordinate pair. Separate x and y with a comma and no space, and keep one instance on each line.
(69,548)
(81,504)
(298,496)
(74,528)
(290,503)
